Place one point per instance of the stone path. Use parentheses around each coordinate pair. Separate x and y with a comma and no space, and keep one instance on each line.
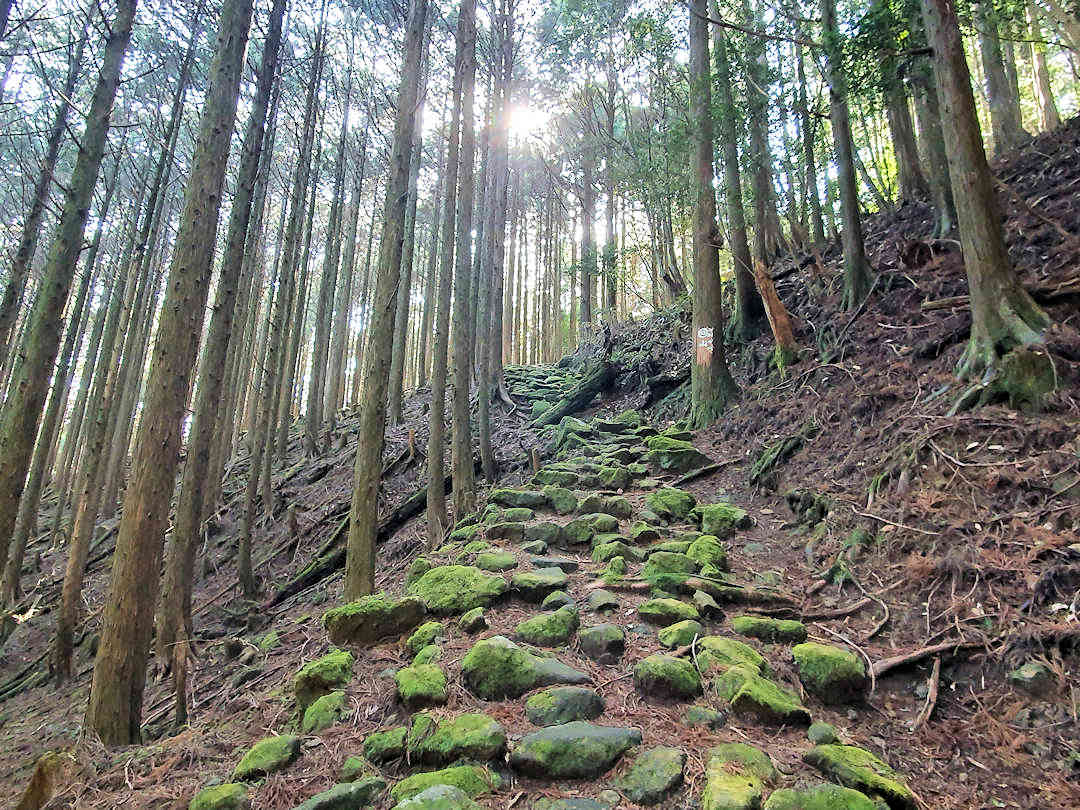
(624,591)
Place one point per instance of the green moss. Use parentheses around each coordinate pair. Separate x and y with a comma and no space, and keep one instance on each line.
(774,631)
(267,756)
(670,503)
(451,589)
(722,519)
(475,737)
(614,571)
(728,652)
(747,759)
(855,768)
(466,534)
(421,685)
(230,796)
(323,713)
(654,774)
(752,695)
(666,611)
(473,621)
(708,550)
(355,768)
(821,797)
(680,633)
(382,746)
(424,635)
(562,500)
(533,586)
(428,655)
(607,551)
(833,674)
(773,455)
(372,618)
(641,532)
(269,641)
(822,734)
(544,532)
(549,629)
(529,499)
(322,676)
(572,750)
(472,780)
(496,561)
(666,676)
(668,562)
(496,668)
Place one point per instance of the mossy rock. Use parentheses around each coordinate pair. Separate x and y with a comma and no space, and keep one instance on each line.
(323,713)
(577,532)
(518,514)
(472,780)
(618,506)
(270,641)
(473,736)
(601,601)
(424,635)
(383,746)
(453,589)
(695,716)
(774,455)
(417,568)
(563,704)
(601,522)
(529,499)
(665,676)
(513,532)
(229,796)
(473,621)
(822,734)
(354,769)
(549,629)
(421,685)
(603,643)
(773,631)
(428,655)
(439,797)
(754,696)
(550,476)
(665,611)
(674,455)
(614,477)
(1034,678)
(670,503)
(533,586)
(562,500)
(680,633)
(321,677)
(266,757)
(725,652)
(346,796)
(833,674)
(630,418)
(464,534)
(496,561)
(575,750)
(708,550)
(722,519)
(534,547)
(672,546)
(556,600)
(668,562)
(496,668)
(820,797)
(607,551)
(642,532)
(614,571)
(655,773)
(736,777)
(859,769)
(545,532)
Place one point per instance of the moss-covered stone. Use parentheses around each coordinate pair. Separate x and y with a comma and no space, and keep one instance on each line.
(545,532)
(707,606)
(601,601)
(614,571)
(346,796)
(562,500)
(465,534)
(417,568)
(722,519)
(668,562)
(708,550)
(551,476)
(736,777)
(680,633)
(270,641)
(833,674)
(533,586)
(607,551)
(472,780)
(703,716)
(472,736)
(355,768)
(549,629)
(642,532)
(670,503)
(383,746)
(517,514)
(321,677)
(754,696)
(774,631)
(452,589)
(616,506)
(674,455)
(496,561)
(820,797)
(821,733)
(424,635)
(428,655)
(667,677)
(654,774)
(723,652)
(513,532)
(529,499)
(323,713)
(773,455)
(563,704)
(611,477)
(439,797)
(267,756)
(421,685)
(496,668)
(603,643)
(665,611)
(556,600)
(573,750)
(473,621)
(859,769)
(229,796)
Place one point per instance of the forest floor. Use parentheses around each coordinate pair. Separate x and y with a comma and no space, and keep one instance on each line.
(959,531)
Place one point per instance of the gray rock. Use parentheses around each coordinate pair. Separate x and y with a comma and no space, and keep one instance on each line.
(563,704)
(655,773)
(572,751)
(604,643)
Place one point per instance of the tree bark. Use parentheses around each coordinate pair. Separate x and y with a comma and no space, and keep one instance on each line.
(1008,131)
(364,512)
(1049,118)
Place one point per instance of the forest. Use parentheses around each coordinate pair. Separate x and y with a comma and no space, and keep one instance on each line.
(551,404)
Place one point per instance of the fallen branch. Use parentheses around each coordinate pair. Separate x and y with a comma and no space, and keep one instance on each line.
(888,664)
(701,472)
(596,379)
(931,695)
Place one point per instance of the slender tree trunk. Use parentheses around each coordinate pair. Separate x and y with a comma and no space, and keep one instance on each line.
(856,268)
(365,310)
(1004,104)
(364,512)
(912,181)
(588,242)
(115,708)
(22,411)
(817,223)
(1040,76)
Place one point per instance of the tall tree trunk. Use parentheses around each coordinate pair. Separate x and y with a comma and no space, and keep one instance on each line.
(115,708)
(856,268)
(817,224)
(364,512)
(588,239)
(174,615)
(710,381)
(21,413)
(1004,104)
(1003,315)
(912,181)
(1040,76)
